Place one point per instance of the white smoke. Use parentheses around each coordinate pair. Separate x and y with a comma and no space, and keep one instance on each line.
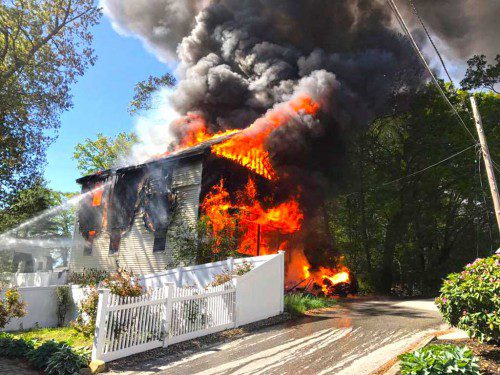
(153,129)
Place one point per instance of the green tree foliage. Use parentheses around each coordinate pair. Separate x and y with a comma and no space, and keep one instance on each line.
(104,152)
(480,74)
(44,46)
(400,229)
(144,90)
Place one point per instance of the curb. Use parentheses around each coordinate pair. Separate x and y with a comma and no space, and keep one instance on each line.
(392,367)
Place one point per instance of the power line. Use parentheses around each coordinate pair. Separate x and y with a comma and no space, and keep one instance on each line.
(422,58)
(417,172)
(430,39)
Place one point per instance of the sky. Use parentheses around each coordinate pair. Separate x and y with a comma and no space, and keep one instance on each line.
(100,101)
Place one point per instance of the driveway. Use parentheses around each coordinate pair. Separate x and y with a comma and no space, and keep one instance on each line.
(356,337)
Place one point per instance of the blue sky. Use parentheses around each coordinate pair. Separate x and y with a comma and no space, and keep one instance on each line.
(100,100)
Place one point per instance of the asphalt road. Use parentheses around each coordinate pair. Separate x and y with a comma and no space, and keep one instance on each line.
(353,338)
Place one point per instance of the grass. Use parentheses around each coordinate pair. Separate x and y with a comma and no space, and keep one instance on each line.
(68,334)
(299,303)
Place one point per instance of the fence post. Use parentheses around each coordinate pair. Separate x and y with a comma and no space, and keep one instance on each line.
(167,314)
(179,277)
(100,324)
(282,279)
(230,261)
(235,304)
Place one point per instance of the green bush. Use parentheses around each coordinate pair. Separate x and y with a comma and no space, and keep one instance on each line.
(89,276)
(67,361)
(39,357)
(439,359)
(470,300)
(12,347)
(298,303)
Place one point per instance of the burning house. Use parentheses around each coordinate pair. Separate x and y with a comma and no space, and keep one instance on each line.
(267,94)
(131,216)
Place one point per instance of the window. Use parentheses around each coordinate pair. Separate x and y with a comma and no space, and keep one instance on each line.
(160,243)
(87,248)
(114,241)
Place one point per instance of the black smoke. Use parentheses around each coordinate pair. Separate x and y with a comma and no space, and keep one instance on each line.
(240,58)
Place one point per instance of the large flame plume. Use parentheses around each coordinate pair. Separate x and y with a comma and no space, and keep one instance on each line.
(262,226)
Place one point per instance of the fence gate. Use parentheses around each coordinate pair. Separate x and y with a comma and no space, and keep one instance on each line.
(130,325)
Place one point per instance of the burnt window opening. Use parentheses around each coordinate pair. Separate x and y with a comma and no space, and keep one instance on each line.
(114,241)
(92,211)
(87,248)
(160,243)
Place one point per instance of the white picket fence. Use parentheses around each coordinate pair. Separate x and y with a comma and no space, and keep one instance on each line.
(130,325)
(171,314)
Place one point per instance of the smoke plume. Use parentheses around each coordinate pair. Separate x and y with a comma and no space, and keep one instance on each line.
(238,59)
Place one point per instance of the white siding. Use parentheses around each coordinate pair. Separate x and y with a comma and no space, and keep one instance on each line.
(136,247)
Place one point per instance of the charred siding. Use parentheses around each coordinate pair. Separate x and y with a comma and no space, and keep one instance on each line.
(136,247)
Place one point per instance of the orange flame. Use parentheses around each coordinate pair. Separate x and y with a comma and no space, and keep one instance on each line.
(244,213)
(260,228)
(248,147)
(97,196)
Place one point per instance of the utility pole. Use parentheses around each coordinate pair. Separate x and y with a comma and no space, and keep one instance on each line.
(487,160)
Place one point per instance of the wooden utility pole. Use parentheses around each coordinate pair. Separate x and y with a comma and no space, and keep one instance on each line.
(487,160)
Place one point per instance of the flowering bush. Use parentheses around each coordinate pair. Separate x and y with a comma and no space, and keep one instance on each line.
(11,306)
(122,283)
(470,299)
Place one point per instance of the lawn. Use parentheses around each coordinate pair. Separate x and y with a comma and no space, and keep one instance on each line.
(299,303)
(68,334)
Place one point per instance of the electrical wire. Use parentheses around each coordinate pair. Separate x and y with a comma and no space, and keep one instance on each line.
(417,172)
(430,39)
(402,23)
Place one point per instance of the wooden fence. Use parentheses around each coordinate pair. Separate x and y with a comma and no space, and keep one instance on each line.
(163,316)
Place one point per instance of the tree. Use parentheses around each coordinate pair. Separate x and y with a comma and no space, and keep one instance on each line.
(402,224)
(480,74)
(144,90)
(104,152)
(44,46)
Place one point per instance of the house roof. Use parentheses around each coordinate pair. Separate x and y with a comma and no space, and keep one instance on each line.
(176,155)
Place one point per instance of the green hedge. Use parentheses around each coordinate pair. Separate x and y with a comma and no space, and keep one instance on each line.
(52,357)
(470,300)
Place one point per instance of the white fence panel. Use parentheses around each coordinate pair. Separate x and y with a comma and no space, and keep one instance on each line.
(199,312)
(129,325)
(200,275)
(33,279)
(170,314)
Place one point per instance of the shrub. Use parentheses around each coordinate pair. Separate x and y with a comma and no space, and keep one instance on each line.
(39,357)
(123,283)
(67,361)
(470,300)
(227,275)
(89,276)
(12,347)
(63,296)
(298,303)
(11,306)
(439,359)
